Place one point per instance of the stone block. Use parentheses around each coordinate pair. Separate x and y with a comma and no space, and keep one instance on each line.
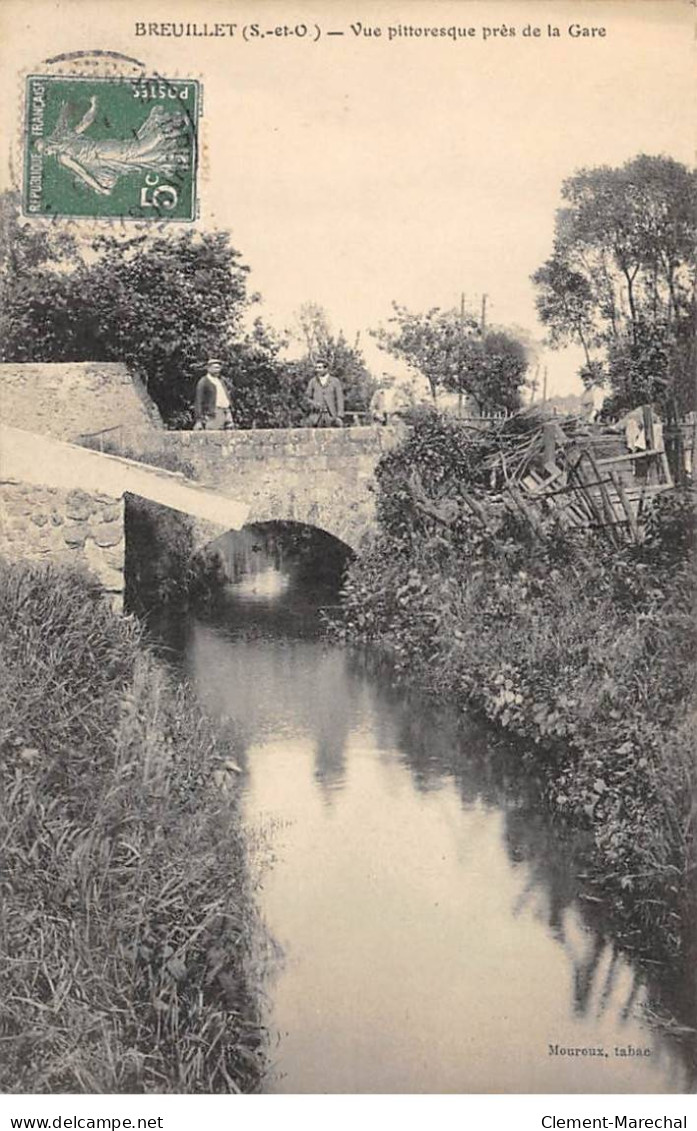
(108,534)
(109,574)
(78,505)
(110,512)
(114,557)
(74,536)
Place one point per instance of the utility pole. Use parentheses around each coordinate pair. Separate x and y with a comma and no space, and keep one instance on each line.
(462,335)
(544,385)
(484,298)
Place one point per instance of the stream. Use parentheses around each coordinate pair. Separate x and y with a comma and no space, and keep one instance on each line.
(428,921)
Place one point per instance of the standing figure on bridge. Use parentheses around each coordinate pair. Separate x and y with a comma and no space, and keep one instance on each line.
(212,404)
(326,399)
(387,403)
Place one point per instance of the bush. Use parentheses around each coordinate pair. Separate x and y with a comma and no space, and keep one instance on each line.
(128,919)
(581,652)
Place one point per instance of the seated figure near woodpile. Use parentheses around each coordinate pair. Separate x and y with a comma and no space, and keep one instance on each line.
(387,402)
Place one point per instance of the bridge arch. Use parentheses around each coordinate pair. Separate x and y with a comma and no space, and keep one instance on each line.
(350,529)
(319,477)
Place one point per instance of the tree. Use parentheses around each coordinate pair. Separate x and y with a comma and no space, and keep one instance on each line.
(313,329)
(447,349)
(25,246)
(160,303)
(264,392)
(499,366)
(621,279)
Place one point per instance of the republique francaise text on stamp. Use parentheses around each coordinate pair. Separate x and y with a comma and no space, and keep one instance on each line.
(111,147)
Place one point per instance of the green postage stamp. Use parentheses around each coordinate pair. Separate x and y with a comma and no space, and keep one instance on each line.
(111,147)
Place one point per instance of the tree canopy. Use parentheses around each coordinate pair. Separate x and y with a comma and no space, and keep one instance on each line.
(620,281)
(331,350)
(264,391)
(161,303)
(448,349)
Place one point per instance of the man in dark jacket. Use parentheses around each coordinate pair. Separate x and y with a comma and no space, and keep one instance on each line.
(212,404)
(326,399)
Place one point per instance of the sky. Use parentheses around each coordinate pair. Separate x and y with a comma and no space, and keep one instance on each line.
(356,171)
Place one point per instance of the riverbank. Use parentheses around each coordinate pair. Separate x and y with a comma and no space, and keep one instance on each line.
(128,913)
(581,652)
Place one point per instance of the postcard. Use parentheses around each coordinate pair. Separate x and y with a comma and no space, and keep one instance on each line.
(347,407)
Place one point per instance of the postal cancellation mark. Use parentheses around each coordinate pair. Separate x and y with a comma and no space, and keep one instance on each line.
(111,147)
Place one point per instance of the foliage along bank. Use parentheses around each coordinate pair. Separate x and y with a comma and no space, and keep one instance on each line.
(128,917)
(583,653)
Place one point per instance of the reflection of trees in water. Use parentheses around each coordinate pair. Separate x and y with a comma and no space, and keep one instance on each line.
(437,746)
(330,759)
(332,719)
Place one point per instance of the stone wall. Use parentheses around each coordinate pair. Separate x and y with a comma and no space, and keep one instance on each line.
(62,527)
(73,399)
(316,476)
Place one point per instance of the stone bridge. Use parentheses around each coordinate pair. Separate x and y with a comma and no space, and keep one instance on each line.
(62,503)
(320,477)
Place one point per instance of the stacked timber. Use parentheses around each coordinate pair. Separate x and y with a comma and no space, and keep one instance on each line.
(579,475)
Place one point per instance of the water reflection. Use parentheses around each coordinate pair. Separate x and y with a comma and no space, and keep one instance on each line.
(430,919)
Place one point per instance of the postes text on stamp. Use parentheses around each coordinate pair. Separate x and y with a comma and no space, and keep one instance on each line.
(111,147)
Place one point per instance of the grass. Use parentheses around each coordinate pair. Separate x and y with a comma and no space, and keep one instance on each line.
(154,456)
(589,667)
(127,920)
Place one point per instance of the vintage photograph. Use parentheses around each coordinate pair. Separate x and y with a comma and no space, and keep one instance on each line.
(347,545)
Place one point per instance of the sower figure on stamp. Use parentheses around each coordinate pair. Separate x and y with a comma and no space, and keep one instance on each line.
(326,399)
(212,404)
(160,145)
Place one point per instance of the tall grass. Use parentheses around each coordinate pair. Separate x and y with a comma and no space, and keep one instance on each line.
(127,918)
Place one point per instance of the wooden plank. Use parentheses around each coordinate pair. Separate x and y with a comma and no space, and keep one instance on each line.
(576,512)
(586,499)
(644,490)
(625,458)
(610,514)
(526,511)
(626,506)
(569,489)
(666,469)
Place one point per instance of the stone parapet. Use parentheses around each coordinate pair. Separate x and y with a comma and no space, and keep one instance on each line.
(254,444)
(317,476)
